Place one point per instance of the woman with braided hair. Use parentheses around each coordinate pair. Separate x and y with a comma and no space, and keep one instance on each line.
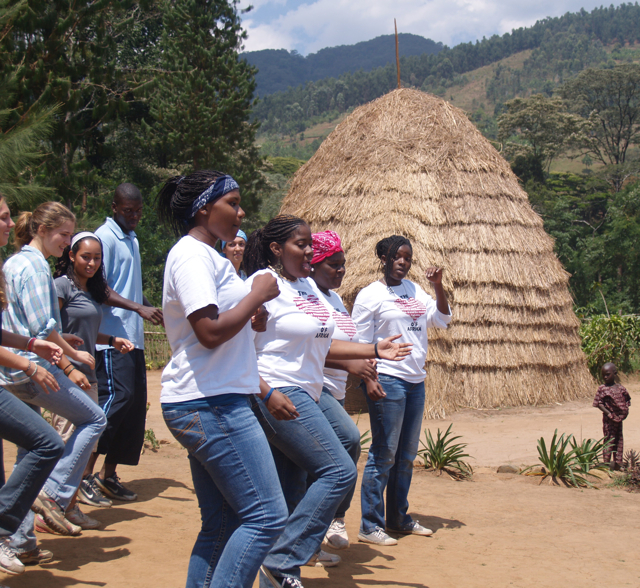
(396,401)
(212,374)
(291,356)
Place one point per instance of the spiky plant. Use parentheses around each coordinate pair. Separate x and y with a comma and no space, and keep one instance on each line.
(442,454)
(631,460)
(588,454)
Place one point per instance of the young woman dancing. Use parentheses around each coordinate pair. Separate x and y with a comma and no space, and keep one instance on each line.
(394,304)
(19,424)
(207,384)
(327,272)
(33,311)
(291,356)
(82,289)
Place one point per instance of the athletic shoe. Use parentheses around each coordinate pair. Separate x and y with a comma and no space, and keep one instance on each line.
(90,494)
(412,528)
(9,562)
(53,516)
(77,517)
(113,488)
(282,582)
(35,557)
(336,536)
(42,527)
(377,537)
(322,559)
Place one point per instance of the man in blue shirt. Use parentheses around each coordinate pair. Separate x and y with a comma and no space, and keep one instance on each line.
(122,378)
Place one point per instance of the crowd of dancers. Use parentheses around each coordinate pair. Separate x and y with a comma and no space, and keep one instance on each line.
(261,349)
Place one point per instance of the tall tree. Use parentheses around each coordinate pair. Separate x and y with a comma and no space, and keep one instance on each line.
(610,100)
(537,128)
(65,53)
(202,103)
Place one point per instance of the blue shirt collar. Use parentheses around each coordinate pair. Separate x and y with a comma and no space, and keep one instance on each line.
(117,230)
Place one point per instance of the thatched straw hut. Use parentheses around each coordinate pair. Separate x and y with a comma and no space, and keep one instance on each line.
(410,163)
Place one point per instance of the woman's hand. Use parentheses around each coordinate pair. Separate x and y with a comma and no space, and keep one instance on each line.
(434,275)
(281,407)
(266,286)
(73,340)
(364,368)
(79,379)
(387,349)
(45,379)
(122,345)
(48,351)
(259,320)
(86,358)
(374,390)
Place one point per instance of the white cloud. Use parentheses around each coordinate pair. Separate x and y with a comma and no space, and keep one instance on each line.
(326,23)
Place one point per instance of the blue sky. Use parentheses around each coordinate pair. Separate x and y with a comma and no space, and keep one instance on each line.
(310,25)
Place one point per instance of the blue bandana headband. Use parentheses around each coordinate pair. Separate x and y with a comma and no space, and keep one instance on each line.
(223,185)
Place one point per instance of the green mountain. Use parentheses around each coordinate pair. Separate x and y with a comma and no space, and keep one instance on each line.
(527,60)
(279,69)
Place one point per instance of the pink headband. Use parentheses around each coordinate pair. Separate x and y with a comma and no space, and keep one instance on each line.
(325,244)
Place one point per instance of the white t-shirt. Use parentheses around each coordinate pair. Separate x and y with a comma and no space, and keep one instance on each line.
(196,276)
(292,351)
(336,380)
(380,311)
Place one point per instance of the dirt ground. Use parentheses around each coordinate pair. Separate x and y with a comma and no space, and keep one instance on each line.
(497,530)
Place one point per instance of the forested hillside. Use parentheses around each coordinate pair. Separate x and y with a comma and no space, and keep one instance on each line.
(559,48)
(279,69)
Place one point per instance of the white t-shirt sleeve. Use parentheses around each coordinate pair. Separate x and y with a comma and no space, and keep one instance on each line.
(363,315)
(194,296)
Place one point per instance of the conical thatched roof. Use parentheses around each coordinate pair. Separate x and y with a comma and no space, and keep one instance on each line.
(409,163)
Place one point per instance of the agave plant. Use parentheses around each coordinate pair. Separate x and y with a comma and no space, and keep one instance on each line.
(589,454)
(444,455)
(561,462)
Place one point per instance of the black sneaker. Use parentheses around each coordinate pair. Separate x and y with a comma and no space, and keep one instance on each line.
(90,494)
(112,487)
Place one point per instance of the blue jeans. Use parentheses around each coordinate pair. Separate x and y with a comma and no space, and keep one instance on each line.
(348,434)
(74,405)
(19,424)
(396,421)
(241,504)
(306,446)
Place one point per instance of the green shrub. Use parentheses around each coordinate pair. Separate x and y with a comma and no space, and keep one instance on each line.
(615,339)
(589,454)
(444,455)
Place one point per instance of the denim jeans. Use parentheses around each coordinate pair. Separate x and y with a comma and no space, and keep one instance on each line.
(19,424)
(306,446)
(348,434)
(241,504)
(396,421)
(73,404)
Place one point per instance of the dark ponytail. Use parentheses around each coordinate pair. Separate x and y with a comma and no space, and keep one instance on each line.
(257,253)
(388,248)
(175,200)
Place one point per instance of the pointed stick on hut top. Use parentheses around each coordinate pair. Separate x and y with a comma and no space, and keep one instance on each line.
(397,52)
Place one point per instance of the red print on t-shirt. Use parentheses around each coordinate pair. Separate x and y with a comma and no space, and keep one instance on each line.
(344,323)
(309,304)
(414,308)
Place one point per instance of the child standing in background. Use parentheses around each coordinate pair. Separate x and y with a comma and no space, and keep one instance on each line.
(614,401)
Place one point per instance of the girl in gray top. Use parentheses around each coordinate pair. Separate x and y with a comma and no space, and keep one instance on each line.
(82,288)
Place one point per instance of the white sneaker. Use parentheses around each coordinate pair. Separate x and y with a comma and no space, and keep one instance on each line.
(77,517)
(322,559)
(377,537)
(9,562)
(336,536)
(412,528)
